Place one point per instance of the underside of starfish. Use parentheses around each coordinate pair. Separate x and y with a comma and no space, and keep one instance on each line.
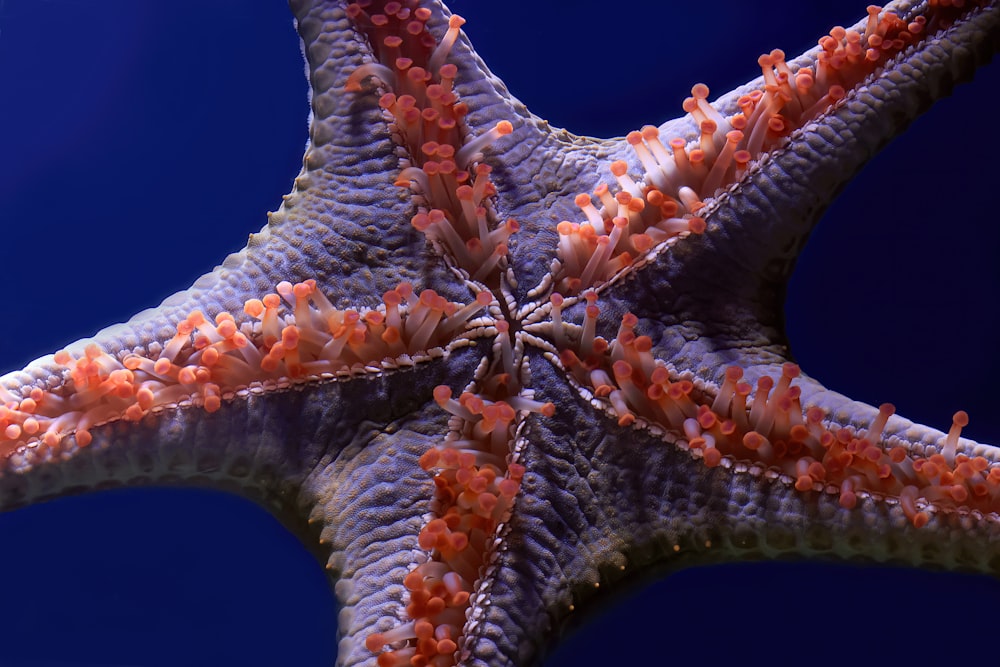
(611,326)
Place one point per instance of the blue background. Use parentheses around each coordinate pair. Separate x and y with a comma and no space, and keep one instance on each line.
(141,142)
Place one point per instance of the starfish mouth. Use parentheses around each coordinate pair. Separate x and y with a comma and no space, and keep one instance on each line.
(475,469)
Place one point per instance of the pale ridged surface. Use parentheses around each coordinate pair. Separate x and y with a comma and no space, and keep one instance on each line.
(376,498)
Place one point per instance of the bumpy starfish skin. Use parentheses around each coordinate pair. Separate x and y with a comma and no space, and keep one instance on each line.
(599,501)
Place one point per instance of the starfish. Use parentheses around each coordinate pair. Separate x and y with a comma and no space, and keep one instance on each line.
(501,194)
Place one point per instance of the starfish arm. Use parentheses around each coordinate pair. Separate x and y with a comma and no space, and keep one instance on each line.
(725,289)
(367,496)
(340,228)
(785,195)
(703,318)
(344,222)
(605,509)
(250,446)
(363,500)
(340,224)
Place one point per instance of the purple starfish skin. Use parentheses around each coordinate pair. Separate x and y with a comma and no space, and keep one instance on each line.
(862,420)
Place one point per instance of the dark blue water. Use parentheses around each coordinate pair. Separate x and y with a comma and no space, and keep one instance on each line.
(141,143)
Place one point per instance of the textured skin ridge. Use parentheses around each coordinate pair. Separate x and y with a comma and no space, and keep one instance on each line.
(372,533)
(345,221)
